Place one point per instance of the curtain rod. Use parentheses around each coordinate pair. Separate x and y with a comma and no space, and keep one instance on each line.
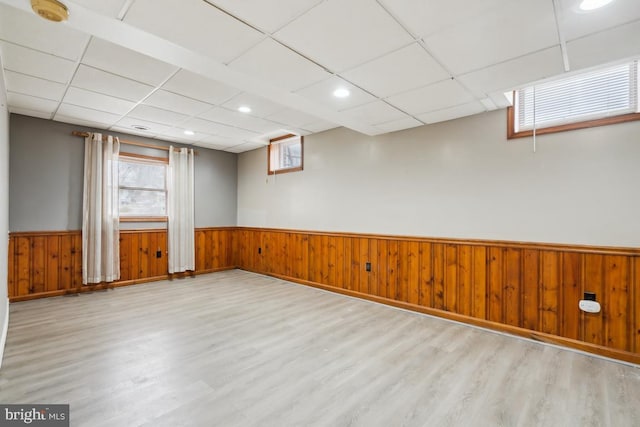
(137,144)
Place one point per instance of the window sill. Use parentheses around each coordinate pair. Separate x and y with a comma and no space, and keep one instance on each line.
(281,171)
(143,219)
(512,134)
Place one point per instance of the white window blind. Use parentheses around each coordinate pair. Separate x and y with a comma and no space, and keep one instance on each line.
(608,92)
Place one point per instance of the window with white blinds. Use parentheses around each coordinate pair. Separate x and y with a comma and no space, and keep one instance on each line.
(285,154)
(594,95)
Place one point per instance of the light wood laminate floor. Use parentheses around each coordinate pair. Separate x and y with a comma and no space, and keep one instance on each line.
(240,349)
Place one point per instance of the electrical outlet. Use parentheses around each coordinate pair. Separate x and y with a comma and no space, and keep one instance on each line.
(590,296)
(259,250)
(367,266)
(158,254)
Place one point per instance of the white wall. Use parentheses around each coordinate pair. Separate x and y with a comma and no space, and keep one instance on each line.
(4,211)
(462,179)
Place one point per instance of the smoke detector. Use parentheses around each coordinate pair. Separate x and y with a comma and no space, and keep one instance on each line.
(51,10)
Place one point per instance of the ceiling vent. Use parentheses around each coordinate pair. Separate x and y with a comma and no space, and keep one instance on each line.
(51,10)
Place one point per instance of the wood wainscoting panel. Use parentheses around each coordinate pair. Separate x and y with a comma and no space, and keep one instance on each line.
(49,263)
(525,288)
(528,289)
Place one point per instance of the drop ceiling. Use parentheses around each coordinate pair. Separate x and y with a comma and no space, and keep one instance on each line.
(159,67)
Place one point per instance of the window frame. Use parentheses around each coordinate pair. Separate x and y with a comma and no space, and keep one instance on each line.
(141,158)
(287,170)
(612,120)
(579,124)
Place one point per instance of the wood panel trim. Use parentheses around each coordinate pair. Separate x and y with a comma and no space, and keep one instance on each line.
(49,263)
(512,134)
(604,250)
(500,327)
(106,286)
(42,233)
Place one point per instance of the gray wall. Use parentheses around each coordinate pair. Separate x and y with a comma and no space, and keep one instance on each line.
(47,168)
(4,210)
(460,178)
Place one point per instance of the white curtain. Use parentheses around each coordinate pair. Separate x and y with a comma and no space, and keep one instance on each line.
(180,211)
(100,222)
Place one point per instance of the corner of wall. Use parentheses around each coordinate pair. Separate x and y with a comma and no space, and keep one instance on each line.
(4,211)
(5,329)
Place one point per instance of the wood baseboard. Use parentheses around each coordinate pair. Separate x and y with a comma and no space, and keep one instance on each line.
(500,327)
(104,286)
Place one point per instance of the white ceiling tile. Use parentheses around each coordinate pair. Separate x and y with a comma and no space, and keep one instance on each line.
(425,17)
(132,125)
(195,25)
(37,64)
(177,135)
(29,30)
(396,125)
(126,63)
(268,15)
(132,131)
(293,118)
(399,71)
(234,132)
(109,84)
(496,36)
(30,113)
(433,97)
(322,92)
(86,114)
(452,112)
(578,23)
(109,8)
(375,112)
(201,126)
(27,102)
(244,147)
(174,139)
(198,87)
(342,34)
(516,72)
(241,120)
(260,107)
(606,46)
(171,101)
(80,122)
(157,115)
(275,64)
(319,126)
(209,145)
(218,141)
(97,101)
(28,85)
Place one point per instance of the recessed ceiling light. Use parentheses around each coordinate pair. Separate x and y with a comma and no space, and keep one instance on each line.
(593,4)
(341,93)
(244,109)
(140,127)
(189,132)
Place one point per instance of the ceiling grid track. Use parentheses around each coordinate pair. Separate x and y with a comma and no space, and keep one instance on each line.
(561,37)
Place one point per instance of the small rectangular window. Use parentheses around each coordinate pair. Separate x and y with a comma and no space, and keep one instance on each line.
(143,189)
(595,98)
(285,154)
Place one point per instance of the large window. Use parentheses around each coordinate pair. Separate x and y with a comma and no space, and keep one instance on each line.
(143,188)
(285,154)
(595,98)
